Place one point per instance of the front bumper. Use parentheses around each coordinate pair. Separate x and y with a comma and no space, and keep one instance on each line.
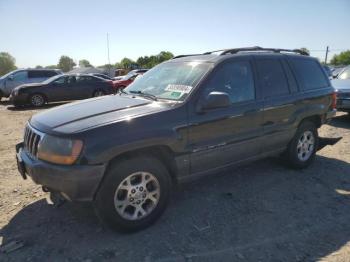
(75,182)
(19,99)
(328,116)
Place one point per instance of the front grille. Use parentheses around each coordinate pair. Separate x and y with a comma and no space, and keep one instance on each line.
(31,140)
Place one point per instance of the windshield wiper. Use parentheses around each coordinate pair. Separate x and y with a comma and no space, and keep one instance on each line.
(147,95)
(121,90)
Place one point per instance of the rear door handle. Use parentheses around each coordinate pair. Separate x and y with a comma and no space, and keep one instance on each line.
(268,123)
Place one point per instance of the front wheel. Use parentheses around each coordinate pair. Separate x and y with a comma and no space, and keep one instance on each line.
(302,149)
(37,100)
(133,194)
(98,93)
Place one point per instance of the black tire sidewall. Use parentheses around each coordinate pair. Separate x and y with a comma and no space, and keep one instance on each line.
(293,159)
(117,172)
(96,91)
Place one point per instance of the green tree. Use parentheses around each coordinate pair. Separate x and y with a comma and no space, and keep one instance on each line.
(38,67)
(164,55)
(66,63)
(125,63)
(51,67)
(305,50)
(341,59)
(7,63)
(84,63)
(151,61)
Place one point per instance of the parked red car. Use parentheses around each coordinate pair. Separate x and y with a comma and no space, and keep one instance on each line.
(127,79)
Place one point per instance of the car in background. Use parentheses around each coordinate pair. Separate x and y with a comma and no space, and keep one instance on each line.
(61,88)
(344,74)
(125,80)
(132,72)
(16,78)
(328,71)
(104,76)
(336,71)
(342,87)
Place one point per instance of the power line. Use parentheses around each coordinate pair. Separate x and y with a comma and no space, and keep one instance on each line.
(330,50)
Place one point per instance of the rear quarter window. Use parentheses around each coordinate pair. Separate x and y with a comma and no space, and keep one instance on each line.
(309,73)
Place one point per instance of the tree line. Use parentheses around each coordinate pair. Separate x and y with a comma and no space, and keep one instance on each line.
(66,63)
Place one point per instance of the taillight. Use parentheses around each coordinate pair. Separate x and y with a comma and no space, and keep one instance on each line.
(334,100)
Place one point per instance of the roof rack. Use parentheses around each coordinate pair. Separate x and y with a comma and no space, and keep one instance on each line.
(249,49)
(179,56)
(258,48)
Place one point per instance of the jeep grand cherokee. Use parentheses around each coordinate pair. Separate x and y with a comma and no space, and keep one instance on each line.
(186,117)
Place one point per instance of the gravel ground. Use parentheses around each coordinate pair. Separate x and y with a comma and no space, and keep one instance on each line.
(258,212)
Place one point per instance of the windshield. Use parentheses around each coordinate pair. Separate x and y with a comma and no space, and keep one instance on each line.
(172,81)
(49,80)
(11,73)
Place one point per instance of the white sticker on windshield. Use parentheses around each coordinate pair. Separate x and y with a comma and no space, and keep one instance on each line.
(179,88)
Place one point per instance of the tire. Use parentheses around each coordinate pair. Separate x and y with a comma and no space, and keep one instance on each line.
(302,149)
(98,93)
(120,196)
(37,100)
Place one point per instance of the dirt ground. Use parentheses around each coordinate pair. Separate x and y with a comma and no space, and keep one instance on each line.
(258,212)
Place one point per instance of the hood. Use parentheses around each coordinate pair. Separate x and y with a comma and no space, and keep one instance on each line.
(80,116)
(341,84)
(24,86)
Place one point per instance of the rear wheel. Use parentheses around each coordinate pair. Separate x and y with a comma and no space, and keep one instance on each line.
(37,100)
(133,194)
(302,149)
(98,93)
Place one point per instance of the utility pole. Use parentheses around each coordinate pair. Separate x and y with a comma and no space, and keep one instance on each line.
(109,61)
(327,50)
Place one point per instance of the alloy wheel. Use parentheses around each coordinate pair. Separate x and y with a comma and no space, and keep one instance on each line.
(305,146)
(37,100)
(137,196)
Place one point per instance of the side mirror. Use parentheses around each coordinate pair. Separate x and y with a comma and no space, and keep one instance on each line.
(215,100)
(10,77)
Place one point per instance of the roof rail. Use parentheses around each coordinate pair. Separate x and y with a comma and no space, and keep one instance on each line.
(249,49)
(258,48)
(179,56)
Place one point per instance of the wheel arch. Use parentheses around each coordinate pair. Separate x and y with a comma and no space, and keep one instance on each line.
(46,100)
(316,119)
(161,152)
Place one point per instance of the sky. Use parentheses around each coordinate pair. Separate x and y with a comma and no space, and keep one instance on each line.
(38,32)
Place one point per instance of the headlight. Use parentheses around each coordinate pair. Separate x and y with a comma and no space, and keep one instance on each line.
(59,150)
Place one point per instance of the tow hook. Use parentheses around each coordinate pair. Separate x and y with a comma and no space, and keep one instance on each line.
(327,141)
(54,198)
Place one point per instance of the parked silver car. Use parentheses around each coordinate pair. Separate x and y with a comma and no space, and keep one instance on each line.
(24,76)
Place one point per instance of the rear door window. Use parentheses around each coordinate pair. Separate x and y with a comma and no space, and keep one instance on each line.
(309,73)
(272,77)
(41,73)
